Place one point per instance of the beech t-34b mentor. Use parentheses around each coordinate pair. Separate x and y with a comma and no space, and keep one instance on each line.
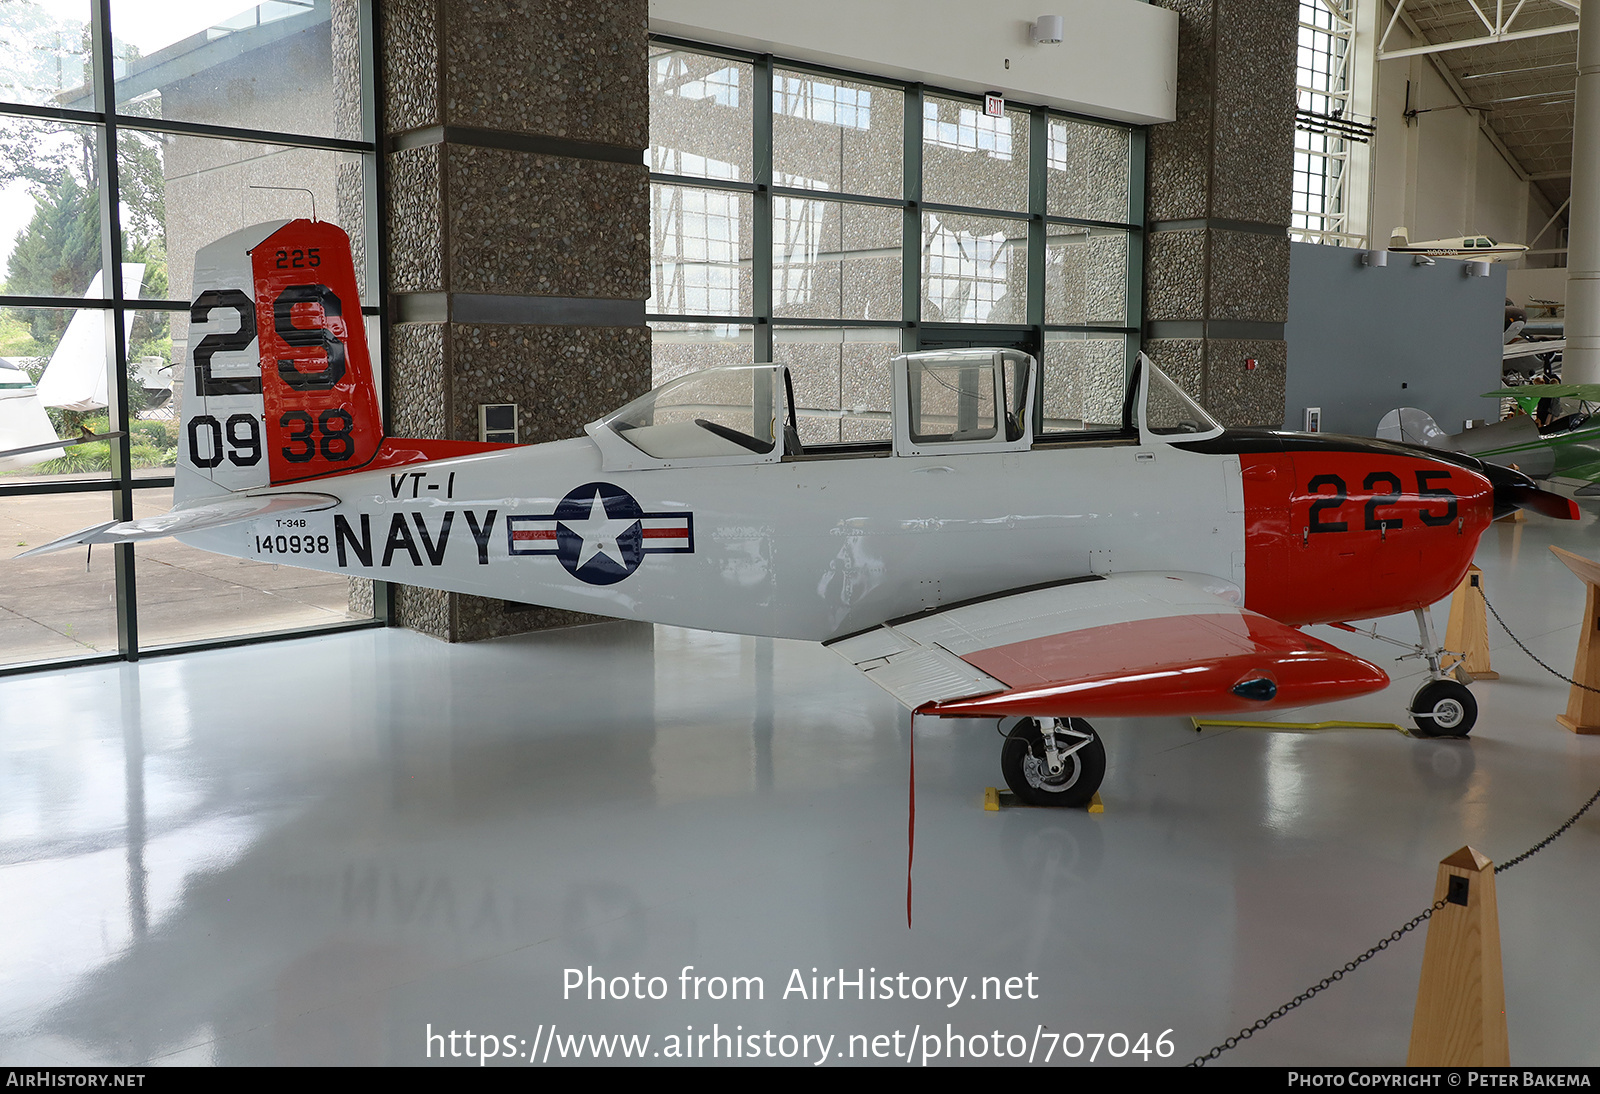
(969,566)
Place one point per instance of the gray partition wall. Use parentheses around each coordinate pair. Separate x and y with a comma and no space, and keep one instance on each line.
(1365,339)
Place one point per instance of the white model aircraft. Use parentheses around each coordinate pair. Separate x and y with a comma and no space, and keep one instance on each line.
(1472,248)
(74,379)
(26,435)
(968,566)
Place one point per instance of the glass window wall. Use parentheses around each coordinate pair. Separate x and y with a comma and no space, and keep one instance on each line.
(971,159)
(835,134)
(220,117)
(835,260)
(841,381)
(829,220)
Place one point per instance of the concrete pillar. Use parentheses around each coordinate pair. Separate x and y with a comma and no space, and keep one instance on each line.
(1217,201)
(1581,359)
(518,211)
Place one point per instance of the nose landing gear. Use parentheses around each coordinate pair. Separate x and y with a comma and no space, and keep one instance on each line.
(1053,761)
(1442,707)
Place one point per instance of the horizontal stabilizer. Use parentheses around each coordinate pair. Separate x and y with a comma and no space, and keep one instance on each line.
(213,513)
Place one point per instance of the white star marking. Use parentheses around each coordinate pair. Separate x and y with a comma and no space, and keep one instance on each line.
(599,532)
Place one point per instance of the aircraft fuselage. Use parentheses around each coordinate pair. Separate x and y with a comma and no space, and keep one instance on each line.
(1311,530)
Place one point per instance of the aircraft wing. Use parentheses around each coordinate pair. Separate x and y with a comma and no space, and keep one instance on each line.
(1589,393)
(212,513)
(1128,645)
(1532,349)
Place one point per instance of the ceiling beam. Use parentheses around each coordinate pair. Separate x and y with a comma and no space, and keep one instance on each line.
(1460,93)
(1472,43)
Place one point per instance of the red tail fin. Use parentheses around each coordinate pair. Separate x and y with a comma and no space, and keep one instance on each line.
(320,395)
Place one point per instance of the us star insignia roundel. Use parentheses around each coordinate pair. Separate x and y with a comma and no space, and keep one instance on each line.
(599,533)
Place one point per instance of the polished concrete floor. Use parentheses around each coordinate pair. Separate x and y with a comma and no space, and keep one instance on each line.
(322,850)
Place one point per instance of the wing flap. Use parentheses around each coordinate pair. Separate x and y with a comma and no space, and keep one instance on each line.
(1134,645)
(213,513)
(915,674)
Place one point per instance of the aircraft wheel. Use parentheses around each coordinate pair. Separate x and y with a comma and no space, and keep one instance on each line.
(1443,708)
(1022,762)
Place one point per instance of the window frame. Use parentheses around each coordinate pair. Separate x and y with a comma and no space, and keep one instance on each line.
(1036,217)
(121,483)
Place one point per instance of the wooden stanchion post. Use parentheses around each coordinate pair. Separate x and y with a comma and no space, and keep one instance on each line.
(1460,1019)
(1583,707)
(1468,629)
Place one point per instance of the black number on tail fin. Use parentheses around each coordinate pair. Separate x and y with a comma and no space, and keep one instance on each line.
(249,444)
(299,436)
(337,445)
(337,438)
(309,337)
(212,343)
(214,429)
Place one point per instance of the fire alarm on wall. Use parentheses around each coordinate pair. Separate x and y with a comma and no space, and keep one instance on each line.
(1249,364)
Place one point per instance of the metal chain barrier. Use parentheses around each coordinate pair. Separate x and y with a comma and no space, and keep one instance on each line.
(1350,966)
(1542,844)
(1529,652)
(1315,989)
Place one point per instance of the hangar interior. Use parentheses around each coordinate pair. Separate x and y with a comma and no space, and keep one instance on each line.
(252,813)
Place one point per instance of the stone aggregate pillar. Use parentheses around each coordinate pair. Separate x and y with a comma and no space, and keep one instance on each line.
(517,207)
(1219,183)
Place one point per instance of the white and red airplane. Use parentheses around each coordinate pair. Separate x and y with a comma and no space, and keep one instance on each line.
(968,566)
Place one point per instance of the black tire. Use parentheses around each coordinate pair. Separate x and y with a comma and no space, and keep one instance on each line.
(1022,764)
(1443,708)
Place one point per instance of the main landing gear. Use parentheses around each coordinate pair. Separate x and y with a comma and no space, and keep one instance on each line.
(1443,707)
(1053,761)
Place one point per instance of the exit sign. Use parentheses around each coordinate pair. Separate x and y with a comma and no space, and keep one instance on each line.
(994,105)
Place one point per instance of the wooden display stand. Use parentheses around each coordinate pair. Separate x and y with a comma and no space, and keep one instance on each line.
(1583,707)
(1468,629)
(1460,1019)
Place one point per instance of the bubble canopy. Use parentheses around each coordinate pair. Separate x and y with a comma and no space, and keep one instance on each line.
(1168,411)
(726,411)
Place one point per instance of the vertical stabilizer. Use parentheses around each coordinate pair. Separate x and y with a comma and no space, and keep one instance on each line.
(75,378)
(279,384)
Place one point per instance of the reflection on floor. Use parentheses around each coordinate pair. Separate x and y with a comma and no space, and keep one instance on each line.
(56,606)
(318,851)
